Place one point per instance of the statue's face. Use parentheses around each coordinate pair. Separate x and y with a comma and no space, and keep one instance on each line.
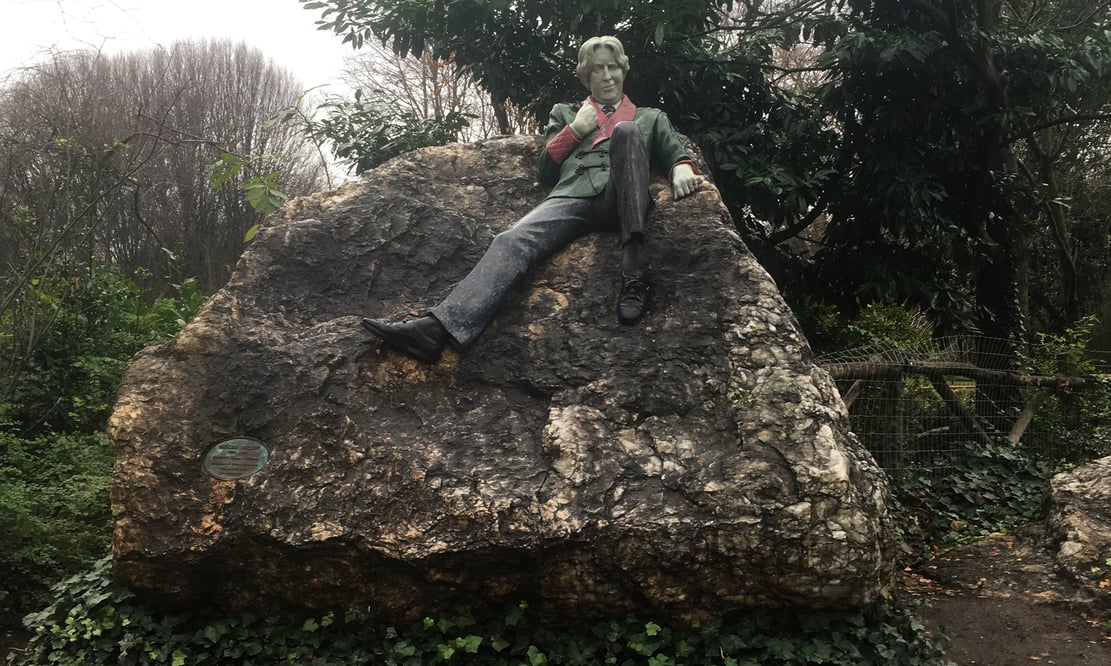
(607,79)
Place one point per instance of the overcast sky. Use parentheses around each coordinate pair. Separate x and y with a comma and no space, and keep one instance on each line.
(281,29)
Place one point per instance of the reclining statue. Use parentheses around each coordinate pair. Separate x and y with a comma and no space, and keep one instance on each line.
(598,155)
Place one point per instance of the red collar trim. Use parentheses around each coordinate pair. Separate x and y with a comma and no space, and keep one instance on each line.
(626,111)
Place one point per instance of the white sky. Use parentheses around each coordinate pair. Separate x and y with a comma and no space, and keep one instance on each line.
(281,29)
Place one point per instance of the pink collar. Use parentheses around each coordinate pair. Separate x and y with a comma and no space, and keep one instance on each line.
(626,111)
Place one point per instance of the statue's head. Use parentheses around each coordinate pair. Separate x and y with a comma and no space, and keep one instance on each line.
(602,68)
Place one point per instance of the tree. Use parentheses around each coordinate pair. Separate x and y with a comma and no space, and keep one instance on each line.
(402,103)
(1060,156)
(951,106)
(917,134)
(522,51)
(147,125)
(427,87)
(103,163)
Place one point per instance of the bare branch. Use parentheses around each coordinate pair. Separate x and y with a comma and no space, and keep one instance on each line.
(1065,120)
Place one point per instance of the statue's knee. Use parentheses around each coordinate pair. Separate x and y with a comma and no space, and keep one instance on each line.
(626,129)
(512,241)
(627,139)
(504,239)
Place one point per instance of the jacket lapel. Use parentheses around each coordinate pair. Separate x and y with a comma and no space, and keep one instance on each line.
(627,111)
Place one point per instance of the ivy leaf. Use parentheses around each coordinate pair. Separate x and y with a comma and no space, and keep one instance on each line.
(470,644)
(536,657)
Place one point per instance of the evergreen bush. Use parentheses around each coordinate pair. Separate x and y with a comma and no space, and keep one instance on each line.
(96,621)
(56,519)
(67,345)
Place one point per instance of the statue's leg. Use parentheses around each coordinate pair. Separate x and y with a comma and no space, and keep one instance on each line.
(475,300)
(627,200)
(626,195)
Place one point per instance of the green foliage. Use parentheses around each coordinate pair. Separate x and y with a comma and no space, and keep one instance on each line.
(95,621)
(366,136)
(878,325)
(1076,423)
(980,490)
(1066,354)
(88,325)
(773,156)
(898,229)
(261,192)
(56,519)
(55,462)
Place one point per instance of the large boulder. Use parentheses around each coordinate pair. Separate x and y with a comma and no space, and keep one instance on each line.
(694,463)
(1078,527)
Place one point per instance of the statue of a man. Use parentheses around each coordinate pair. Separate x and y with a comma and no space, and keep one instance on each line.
(597,156)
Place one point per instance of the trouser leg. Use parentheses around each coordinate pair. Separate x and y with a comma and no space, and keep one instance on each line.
(475,300)
(626,196)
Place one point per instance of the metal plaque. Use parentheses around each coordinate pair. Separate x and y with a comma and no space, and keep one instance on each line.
(235,458)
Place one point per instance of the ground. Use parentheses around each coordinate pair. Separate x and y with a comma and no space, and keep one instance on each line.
(1001,604)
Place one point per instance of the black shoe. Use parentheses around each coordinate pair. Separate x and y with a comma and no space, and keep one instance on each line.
(635,295)
(423,338)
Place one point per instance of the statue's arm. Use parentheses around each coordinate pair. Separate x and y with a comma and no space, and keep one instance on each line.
(559,141)
(668,151)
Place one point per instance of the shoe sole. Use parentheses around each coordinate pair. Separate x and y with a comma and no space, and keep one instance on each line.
(643,310)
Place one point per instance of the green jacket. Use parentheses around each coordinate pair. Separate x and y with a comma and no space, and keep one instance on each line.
(585,172)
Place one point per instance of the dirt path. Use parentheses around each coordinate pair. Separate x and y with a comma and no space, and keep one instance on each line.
(1001,604)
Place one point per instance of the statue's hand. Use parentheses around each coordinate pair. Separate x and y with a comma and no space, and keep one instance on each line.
(683,181)
(585,121)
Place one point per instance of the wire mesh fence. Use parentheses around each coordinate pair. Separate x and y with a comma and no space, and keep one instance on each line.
(931,404)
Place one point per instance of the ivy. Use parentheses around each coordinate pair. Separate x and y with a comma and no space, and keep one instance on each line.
(96,621)
(986,489)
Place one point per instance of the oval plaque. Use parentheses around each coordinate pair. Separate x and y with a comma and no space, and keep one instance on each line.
(235,458)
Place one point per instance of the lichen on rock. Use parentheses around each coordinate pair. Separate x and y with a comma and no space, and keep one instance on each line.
(683,467)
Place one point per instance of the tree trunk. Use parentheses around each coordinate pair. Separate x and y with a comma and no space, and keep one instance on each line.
(498,101)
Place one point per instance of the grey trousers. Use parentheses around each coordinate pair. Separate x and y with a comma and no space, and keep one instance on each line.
(553,224)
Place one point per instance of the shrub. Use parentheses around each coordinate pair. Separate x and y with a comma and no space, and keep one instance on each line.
(77,335)
(84,331)
(55,521)
(1073,424)
(95,621)
(982,490)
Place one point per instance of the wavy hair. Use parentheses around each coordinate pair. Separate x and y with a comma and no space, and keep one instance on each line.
(590,47)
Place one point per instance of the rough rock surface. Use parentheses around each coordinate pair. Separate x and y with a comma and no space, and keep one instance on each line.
(691,464)
(1078,526)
